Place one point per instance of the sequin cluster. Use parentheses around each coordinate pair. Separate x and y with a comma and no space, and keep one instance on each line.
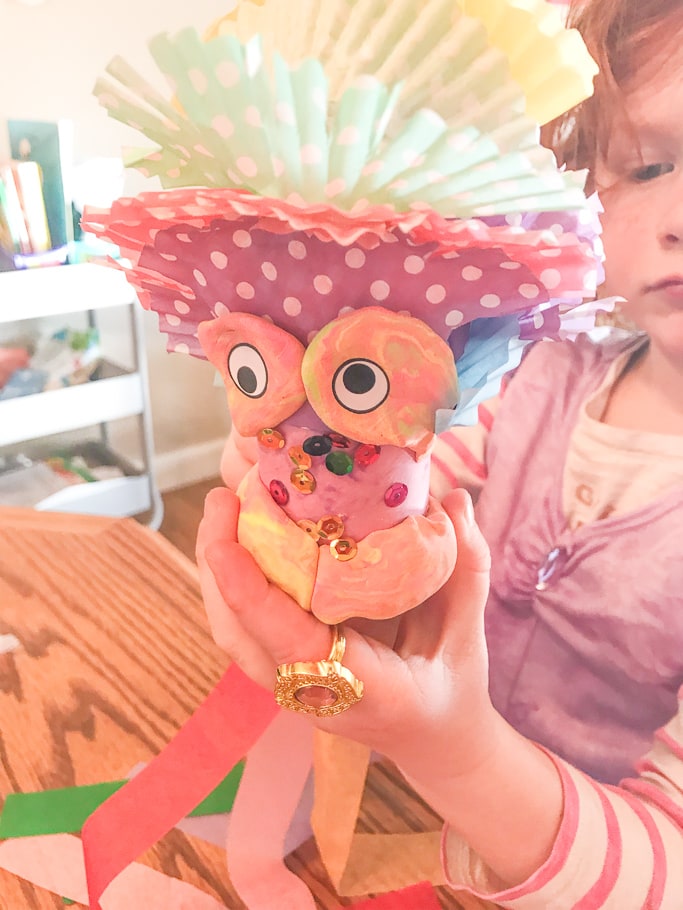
(340,459)
(329,531)
(331,446)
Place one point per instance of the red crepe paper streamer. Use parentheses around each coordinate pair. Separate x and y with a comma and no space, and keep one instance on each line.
(417,897)
(220,732)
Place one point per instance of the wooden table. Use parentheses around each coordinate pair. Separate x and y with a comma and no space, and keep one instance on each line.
(114,656)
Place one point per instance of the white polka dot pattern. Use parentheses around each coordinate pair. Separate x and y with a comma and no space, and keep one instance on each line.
(212,261)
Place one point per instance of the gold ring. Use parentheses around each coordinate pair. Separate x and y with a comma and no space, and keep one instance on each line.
(323,687)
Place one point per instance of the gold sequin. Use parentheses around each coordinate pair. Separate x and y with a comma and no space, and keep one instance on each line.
(330,526)
(271,439)
(343,548)
(299,458)
(304,481)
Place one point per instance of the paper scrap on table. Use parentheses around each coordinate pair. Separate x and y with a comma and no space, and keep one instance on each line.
(55,862)
(8,643)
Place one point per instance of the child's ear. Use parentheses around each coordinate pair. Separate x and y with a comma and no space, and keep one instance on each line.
(261,368)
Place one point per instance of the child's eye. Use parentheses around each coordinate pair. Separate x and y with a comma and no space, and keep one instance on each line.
(651,171)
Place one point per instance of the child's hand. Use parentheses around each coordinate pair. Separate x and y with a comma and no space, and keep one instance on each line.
(424,699)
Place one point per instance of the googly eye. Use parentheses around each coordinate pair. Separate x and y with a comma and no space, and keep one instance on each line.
(248,370)
(360,386)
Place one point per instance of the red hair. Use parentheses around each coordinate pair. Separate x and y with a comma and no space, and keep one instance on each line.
(624,37)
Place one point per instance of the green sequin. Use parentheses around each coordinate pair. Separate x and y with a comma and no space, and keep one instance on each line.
(339,463)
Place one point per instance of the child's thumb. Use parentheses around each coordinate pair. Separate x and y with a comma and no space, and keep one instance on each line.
(468,586)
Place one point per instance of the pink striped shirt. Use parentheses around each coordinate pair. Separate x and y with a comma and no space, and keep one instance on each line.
(618,847)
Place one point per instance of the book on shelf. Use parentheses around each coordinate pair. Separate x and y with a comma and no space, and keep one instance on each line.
(50,145)
(13,215)
(28,180)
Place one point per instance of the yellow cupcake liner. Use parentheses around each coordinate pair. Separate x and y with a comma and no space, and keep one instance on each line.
(423,42)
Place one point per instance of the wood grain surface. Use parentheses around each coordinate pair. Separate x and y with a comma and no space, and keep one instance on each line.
(114,656)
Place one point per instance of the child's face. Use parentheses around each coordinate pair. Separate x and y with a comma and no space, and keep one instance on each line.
(642,191)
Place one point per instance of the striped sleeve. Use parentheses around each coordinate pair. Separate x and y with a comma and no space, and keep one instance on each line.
(459,454)
(618,848)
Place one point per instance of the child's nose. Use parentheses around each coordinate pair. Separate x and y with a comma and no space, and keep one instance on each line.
(672,215)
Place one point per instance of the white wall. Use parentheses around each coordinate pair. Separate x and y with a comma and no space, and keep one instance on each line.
(50,56)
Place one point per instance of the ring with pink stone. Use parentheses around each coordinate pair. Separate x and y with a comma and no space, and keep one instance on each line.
(324,687)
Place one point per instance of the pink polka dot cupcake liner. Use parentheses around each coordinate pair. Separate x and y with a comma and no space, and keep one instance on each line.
(198,253)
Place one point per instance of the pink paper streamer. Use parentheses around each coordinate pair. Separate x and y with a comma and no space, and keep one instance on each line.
(55,862)
(214,828)
(275,774)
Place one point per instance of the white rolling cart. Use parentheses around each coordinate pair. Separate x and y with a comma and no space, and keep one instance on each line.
(117,393)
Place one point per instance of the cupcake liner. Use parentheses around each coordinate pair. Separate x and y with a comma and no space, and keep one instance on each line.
(198,254)
(245,116)
(484,352)
(549,63)
(365,157)
(549,60)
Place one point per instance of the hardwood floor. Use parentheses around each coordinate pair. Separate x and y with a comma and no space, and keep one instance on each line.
(183,510)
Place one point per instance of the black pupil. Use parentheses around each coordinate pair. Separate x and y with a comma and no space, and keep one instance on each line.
(359,378)
(246,380)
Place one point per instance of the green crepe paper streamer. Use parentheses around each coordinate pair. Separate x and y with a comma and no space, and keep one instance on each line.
(64,811)
(566,200)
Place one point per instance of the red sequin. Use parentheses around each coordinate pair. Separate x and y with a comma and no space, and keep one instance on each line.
(395,495)
(366,455)
(279,492)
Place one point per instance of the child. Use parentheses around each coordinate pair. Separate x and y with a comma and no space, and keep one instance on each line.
(582,510)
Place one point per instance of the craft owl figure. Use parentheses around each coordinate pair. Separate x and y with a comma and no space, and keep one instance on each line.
(360,230)
(343,426)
